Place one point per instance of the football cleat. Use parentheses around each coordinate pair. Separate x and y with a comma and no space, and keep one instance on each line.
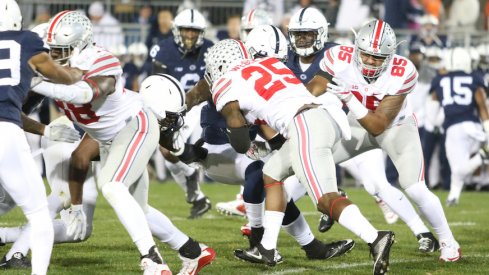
(427,242)
(451,202)
(232,208)
(450,251)
(380,250)
(325,223)
(18,260)
(246,230)
(259,255)
(389,215)
(193,266)
(199,208)
(153,264)
(317,250)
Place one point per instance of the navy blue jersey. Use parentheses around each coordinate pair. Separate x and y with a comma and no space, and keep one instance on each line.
(188,69)
(16,49)
(295,67)
(130,74)
(440,41)
(455,91)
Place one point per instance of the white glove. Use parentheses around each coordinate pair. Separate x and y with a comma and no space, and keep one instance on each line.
(75,221)
(178,144)
(36,80)
(339,89)
(258,150)
(61,132)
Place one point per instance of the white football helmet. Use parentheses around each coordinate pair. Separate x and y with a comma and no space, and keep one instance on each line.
(375,38)
(458,59)
(221,56)
(252,19)
(10,16)
(138,52)
(190,19)
(429,25)
(165,96)
(483,50)
(68,31)
(304,21)
(267,40)
(434,57)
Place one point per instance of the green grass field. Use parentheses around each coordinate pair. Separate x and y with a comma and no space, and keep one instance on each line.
(110,250)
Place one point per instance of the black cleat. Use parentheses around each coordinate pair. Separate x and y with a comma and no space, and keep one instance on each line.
(259,255)
(192,183)
(18,260)
(317,250)
(427,242)
(380,250)
(199,208)
(325,223)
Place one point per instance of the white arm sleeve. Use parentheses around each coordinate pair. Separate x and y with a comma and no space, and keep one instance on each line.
(78,93)
(432,110)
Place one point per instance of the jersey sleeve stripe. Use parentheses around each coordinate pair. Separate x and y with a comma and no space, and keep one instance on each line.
(409,89)
(218,93)
(111,65)
(329,70)
(103,58)
(330,58)
(219,82)
(413,76)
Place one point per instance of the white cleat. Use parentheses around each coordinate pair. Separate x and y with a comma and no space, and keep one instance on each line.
(151,268)
(193,266)
(450,251)
(232,208)
(389,215)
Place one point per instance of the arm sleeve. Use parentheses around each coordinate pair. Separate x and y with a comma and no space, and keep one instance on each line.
(409,82)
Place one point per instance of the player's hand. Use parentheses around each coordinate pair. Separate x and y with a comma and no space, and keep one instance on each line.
(339,89)
(178,144)
(258,150)
(75,221)
(61,132)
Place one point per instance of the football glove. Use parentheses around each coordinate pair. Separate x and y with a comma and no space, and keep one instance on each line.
(339,89)
(61,132)
(258,150)
(75,221)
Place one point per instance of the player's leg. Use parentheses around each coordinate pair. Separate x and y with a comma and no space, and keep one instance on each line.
(21,179)
(123,162)
(460,144)
(402,144)
(312,135)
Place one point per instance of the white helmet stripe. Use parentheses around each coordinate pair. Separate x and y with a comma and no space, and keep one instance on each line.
(250,15)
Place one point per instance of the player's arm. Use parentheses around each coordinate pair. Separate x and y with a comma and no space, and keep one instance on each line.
(317,85)
(376,122)
(32,126)
(79,93)
(44,64)
(275,140)
(197,94)
(432,109)
(87,150)
(480,101)
(237,129)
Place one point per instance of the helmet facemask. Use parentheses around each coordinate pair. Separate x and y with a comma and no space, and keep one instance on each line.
(306,42)
(369,71)
(186,39)
(172,122)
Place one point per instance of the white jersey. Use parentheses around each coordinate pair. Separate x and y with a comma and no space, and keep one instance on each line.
(268,93)
(104,117)
(400,77)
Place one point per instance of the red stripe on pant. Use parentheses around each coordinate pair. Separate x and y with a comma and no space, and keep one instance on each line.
(134,145)
(303,153)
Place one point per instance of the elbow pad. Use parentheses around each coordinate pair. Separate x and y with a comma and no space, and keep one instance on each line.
(78,93)
(239,138)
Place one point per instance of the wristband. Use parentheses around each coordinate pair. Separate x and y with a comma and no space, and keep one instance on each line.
(357,108)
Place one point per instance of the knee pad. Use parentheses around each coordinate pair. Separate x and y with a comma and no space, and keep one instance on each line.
(253,188)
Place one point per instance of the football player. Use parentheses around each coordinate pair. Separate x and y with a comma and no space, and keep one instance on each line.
(373,82)
(243,93)
(463,98)
(308,31)
(24,55)
(182,56)
(126,131)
